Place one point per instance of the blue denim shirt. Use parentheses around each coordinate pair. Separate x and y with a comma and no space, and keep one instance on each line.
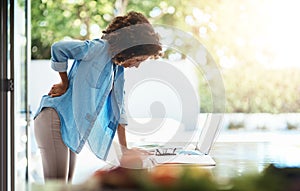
(92,107)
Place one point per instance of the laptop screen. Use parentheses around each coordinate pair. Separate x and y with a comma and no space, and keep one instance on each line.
(209,132)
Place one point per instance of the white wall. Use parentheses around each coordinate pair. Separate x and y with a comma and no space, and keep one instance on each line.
(154,92)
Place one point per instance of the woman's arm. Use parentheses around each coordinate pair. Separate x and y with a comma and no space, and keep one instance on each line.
(63,50)
(61,88)
(121,128)
(131,158)
(60,53)
(122,137)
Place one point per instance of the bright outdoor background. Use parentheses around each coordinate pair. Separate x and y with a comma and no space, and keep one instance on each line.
(253,42)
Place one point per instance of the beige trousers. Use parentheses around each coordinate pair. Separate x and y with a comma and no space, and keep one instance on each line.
(57,159)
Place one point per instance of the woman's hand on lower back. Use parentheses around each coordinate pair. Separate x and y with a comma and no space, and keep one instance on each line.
(58,89)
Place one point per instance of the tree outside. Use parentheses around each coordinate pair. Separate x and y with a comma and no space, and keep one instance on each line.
(250,43)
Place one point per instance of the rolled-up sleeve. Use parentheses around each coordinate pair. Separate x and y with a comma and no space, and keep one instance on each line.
(59,66)
(123,117)
(63,50)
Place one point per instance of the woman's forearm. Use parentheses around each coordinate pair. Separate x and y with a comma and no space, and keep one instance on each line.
(64,78)
(61,88)
(122,136)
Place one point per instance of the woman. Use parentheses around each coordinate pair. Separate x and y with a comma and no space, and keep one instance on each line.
(87,105)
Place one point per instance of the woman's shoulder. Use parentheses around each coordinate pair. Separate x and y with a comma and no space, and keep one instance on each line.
(99,44)
(98,48)
(99,41)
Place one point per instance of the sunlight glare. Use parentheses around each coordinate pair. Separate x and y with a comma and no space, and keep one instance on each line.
(284,31)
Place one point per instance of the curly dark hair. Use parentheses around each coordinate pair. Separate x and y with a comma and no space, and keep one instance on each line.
(132,35)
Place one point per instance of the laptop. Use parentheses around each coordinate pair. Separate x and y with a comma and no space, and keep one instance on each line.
(196,154)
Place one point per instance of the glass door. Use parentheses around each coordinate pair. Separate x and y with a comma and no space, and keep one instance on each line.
(4,97)
(13,97)
(21,110)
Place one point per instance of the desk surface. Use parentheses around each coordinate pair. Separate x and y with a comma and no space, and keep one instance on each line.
(238,158)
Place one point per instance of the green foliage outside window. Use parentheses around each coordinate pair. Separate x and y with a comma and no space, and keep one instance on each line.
(235,33)
(55,20)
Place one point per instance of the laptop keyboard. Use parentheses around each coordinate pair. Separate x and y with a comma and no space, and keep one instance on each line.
(192,159)
(165,151)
